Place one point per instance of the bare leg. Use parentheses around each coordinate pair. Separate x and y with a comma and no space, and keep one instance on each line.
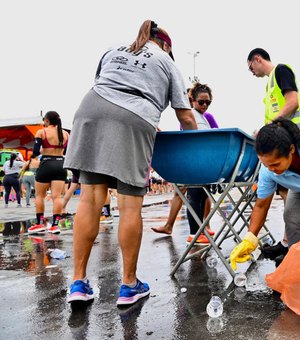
(86,225)
(130,233)
(57,188)
(106,203)
(175,207)
(40,194)
(207,210)
(68,194)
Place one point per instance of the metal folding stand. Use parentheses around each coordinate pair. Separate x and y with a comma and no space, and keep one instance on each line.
(228,229)
(200,158)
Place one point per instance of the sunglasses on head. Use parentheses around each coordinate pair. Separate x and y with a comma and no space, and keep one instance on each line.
(202,102)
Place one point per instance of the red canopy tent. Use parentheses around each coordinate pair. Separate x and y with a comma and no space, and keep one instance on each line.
(18,134)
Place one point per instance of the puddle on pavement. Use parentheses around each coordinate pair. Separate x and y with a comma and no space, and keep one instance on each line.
(20,251)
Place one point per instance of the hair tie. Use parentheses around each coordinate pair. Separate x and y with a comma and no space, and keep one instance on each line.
(153,29)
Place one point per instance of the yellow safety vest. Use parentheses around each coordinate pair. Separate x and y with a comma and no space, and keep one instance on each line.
(274,100)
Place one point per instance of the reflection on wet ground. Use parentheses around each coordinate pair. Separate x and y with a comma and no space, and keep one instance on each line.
(34,286)
(20,251)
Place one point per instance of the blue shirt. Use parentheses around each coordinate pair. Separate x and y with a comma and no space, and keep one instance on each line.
(268,180)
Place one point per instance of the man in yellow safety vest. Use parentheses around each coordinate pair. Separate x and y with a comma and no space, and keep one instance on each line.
(282,97)
(281,100)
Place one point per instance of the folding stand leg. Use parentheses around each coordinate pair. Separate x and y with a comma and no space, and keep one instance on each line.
(201,229)
(249,204)
(202,226)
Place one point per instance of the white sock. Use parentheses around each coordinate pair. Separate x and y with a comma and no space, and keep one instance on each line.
(284,243)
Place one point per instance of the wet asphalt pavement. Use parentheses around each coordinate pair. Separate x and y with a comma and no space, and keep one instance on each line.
(33,286)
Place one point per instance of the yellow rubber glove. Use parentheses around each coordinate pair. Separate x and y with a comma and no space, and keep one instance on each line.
(241,253)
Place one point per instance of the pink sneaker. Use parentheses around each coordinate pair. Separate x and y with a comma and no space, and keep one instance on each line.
(37,229)
(53,230)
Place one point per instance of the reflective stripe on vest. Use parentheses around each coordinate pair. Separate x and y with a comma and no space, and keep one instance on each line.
(274,100)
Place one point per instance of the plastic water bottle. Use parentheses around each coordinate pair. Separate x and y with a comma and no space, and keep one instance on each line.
(58,254)
(240,279)
(215,307)
(267,240)
(211,261)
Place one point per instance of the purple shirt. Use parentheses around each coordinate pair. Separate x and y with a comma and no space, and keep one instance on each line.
(211,120)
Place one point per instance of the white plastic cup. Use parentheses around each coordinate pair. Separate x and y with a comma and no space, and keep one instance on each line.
(214,308)
(211,261)
(240,279)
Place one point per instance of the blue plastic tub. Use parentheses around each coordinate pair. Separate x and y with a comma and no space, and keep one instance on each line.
(203,156)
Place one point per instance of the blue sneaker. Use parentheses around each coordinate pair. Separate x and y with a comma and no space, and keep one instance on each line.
(129,295)
(80,291)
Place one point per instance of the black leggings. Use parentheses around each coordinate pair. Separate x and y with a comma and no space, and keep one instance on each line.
(196,198)
(11,181)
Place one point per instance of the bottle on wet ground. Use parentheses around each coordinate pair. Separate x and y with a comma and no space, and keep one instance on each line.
(214,308)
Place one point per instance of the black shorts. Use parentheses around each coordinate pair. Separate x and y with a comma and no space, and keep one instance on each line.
(51,169)
(112,182)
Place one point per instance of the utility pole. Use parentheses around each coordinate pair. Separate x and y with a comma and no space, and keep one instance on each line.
(195,55)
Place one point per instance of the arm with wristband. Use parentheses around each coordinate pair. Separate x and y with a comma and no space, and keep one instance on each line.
(36,150)
(37,146)
(241,253)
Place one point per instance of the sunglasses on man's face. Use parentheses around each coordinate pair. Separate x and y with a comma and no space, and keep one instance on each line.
(202,102)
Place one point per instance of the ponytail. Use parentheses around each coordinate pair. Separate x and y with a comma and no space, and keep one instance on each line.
(60,133)
(150,31)
(55,120)
(143,35)
(13,156)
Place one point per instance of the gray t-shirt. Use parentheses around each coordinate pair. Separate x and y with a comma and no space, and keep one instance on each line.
(143,82)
